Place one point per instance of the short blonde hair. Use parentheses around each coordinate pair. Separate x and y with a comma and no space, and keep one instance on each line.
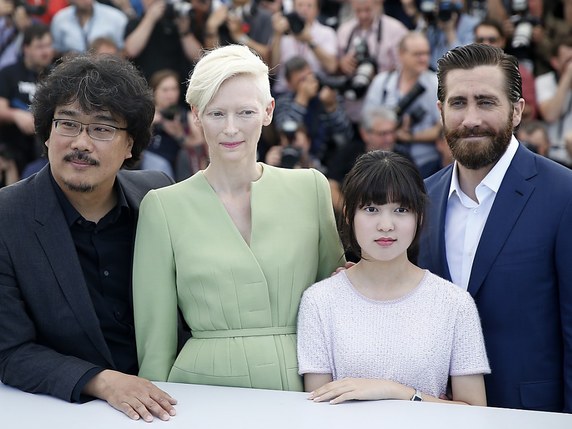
(221,64)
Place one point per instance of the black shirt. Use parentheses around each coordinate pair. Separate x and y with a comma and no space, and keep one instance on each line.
(105,252)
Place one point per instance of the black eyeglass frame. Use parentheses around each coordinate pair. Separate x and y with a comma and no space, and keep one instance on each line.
(88,127)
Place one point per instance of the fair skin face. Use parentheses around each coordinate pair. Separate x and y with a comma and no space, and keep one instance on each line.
(415,55)
(85,168)
(488,35)
(232,123)
(167,93)
(384,232)
(477,106)
(381,135)
(39,53)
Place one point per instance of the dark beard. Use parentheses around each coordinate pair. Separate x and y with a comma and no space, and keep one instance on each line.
(476,156)
(81,187)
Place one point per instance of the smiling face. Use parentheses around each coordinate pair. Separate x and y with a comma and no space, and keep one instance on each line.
(478,118)
(384,232)
(232,121)
(82,164)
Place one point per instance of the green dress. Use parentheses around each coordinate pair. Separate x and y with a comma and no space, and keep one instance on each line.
(240,301)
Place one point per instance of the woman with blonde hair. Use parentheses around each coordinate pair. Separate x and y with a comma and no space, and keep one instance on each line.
(232,247)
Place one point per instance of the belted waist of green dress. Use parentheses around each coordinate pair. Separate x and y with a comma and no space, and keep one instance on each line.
(247,332)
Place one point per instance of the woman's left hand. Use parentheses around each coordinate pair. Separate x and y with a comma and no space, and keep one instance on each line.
(347,389)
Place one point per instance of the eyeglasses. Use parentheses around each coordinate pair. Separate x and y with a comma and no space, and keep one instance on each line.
(71,128)
(487,39)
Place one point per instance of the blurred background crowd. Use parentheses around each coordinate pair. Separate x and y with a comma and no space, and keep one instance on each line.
(348,76)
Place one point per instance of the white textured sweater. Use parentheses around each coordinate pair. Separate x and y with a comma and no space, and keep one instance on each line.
(417,340)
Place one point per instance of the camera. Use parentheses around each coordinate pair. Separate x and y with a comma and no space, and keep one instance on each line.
(290,154)
(169,113)
(366,70)
(416,114)
(441,11)
(523,24)
(296,22)
(177,8)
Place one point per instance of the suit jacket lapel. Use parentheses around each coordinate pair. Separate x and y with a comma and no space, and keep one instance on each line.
(55,239)
(514,192)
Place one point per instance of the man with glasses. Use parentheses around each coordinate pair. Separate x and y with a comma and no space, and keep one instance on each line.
(66,239)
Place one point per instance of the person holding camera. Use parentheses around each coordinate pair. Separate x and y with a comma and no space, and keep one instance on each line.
(293,148)
(411,91)
(166,36)
(300,33)
(317,106)
(369,38)
(447,27)
(76,26)
(242,22)
(554,97)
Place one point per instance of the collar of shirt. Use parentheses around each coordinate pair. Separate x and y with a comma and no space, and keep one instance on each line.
(491,182)
(72,215)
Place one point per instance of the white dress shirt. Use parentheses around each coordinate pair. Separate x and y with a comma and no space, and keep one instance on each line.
(466,219)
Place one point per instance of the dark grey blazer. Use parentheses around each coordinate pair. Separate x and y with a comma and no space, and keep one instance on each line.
(49,332)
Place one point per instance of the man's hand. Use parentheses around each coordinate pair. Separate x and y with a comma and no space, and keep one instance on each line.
(134,396)
(156,10)
(348,64)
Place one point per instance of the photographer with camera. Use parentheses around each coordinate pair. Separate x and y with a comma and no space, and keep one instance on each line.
(293,148)
(554,97)
(448,26)
(411,91)
(318,108)
(241,22)
(173,131)
(300,33)
(369,38)
(76,26)
(167,36)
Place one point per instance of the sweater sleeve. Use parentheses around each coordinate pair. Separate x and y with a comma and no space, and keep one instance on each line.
(313,356)
(469,355)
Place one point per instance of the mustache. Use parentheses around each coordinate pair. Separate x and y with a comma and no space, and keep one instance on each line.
(81,157)
(465,133)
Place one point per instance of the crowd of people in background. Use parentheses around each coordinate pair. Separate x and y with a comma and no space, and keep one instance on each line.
(330,61)
(378,97)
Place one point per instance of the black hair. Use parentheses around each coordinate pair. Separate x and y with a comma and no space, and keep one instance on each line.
(381,177)
(293,65)
(102,82)
(35,31)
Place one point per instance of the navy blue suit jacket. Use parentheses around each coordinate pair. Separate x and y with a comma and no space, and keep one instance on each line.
(49,332)
(521,281)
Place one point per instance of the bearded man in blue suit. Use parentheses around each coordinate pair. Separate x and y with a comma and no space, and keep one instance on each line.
(500,226)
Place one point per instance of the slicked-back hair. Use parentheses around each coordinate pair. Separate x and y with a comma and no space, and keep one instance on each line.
(96,83)
(475,55)
(381,177)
